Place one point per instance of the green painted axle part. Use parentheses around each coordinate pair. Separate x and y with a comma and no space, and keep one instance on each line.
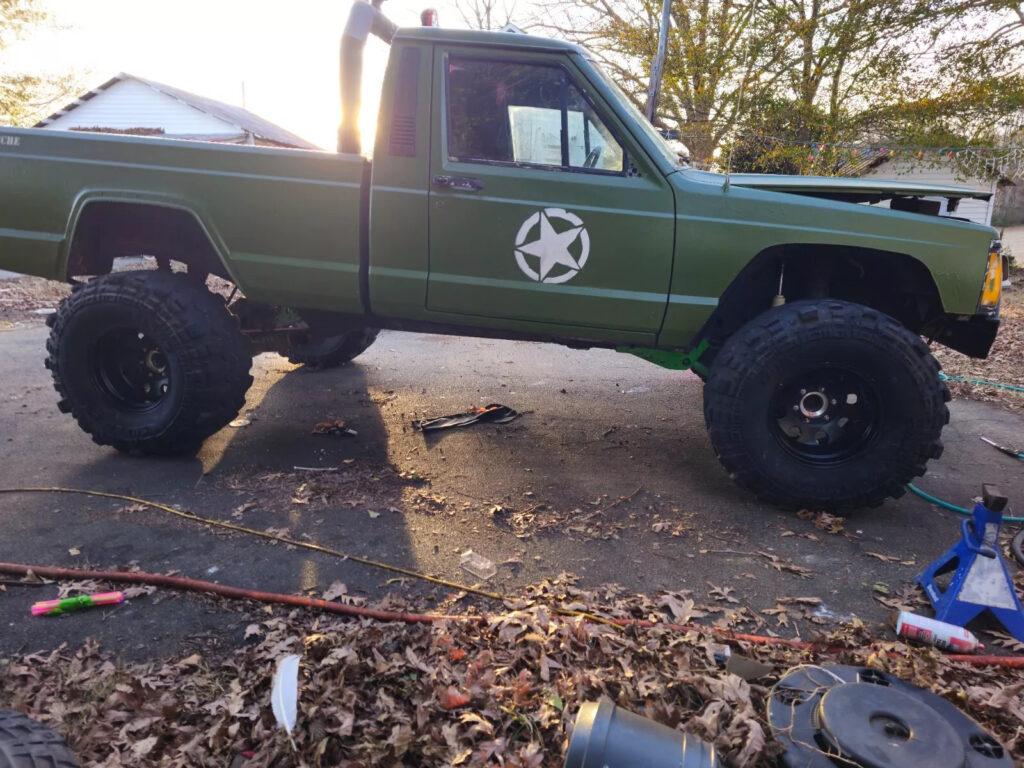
(673,359)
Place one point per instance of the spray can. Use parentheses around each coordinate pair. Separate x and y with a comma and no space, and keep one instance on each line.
(948,637)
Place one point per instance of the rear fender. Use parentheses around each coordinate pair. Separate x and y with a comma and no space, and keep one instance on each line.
(206,230)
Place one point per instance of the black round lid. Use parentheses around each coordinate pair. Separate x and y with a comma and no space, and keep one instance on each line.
(881,727)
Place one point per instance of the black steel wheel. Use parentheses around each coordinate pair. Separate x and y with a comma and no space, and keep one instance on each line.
(26,743)
(148,362)
(130,368)
(1017,547)
(332,351)
(825,405)
(825,414)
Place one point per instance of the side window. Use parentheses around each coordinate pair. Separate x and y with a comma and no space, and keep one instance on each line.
(508,112)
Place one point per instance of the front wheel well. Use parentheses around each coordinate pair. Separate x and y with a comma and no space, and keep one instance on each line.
(107,230)
(893,283)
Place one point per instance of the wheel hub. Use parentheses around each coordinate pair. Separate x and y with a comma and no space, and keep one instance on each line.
(131,368)
(814,404)
(825,415)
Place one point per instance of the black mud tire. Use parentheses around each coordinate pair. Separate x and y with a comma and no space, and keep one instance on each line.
(204,356)
(889,439)
(26,743)
(331,351)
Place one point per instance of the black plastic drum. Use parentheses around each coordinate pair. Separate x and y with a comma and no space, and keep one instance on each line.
(835,715)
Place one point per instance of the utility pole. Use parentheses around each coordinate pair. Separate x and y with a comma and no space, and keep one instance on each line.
(658,66)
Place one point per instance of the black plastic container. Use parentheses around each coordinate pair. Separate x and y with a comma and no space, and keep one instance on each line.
(606,736)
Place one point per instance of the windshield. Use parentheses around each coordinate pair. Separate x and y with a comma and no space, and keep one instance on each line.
(638,117)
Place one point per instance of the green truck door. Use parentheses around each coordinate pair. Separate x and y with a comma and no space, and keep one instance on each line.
(541,208)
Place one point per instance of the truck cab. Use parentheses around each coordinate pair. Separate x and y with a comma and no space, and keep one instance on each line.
(525,197)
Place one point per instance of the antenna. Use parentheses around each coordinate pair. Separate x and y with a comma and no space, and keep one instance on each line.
(728,162)
(728,166)
(739,112)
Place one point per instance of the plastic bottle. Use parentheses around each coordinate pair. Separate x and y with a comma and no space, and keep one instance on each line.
(948,637)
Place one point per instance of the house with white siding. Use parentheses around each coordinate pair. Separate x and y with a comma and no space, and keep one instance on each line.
(128,104)
(939,172)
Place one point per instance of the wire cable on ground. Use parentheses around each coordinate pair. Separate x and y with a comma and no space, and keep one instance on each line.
(272,597)
(292,542)
(195,585)
(264,535)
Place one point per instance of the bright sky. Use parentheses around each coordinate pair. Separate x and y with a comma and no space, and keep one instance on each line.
(285,53)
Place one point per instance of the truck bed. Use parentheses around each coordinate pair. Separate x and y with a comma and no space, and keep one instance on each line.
(283,222)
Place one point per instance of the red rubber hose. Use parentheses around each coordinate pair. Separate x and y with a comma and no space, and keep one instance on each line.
(196,585)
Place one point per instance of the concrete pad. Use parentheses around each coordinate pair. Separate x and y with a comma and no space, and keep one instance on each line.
(1013,241)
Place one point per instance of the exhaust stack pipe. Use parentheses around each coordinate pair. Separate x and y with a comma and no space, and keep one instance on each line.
(363,20)
(606,736)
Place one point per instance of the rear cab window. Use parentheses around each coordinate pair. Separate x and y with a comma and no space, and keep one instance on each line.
(526,114)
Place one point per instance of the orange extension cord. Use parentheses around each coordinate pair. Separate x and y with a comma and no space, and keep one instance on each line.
(194,585)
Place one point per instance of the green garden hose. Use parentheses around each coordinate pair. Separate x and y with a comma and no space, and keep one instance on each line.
(946,504)
(953,507)
(1011,387)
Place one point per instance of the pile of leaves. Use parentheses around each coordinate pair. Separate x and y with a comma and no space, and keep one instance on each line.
(495,690)
(21,297)
(1005,363)
(24,299)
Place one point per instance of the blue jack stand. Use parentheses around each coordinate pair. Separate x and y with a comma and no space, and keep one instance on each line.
(981,581)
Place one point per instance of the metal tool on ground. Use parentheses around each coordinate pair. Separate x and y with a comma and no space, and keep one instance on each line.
(493,413)
(607,736)
(834,715)
(980,581)
(1003,449)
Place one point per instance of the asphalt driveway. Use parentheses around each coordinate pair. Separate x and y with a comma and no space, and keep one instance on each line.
(608,474)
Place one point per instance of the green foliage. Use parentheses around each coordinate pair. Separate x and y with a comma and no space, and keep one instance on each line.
(773,135)
(24,97)
(886,71)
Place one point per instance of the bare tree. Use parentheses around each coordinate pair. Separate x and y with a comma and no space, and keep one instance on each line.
(486,14)
(720,55)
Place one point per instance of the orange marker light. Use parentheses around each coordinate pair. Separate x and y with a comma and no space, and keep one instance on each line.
(993,288)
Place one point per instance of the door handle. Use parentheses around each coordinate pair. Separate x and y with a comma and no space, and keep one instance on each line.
(459,183)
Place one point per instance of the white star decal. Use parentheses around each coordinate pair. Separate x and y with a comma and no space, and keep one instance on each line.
(551,248)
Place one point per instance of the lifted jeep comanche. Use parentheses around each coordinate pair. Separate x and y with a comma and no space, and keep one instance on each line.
(514,192)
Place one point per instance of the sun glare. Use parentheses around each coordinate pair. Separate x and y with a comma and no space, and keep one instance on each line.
(282,66)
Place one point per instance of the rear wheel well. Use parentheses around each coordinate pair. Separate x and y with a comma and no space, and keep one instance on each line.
(893,283)
(107,230)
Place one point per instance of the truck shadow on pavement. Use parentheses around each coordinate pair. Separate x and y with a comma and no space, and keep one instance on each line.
(242,475)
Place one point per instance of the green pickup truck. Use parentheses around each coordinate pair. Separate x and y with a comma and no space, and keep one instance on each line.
(514,192)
